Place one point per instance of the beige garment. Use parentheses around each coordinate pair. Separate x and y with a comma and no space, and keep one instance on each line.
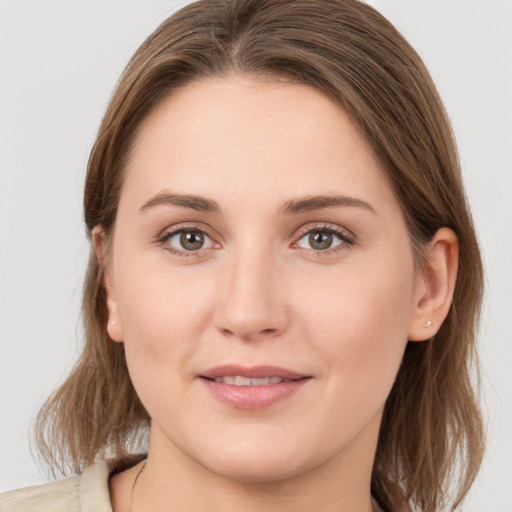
(85,493)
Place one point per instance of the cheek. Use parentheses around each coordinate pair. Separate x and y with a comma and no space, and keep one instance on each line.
(162,312)
(359,321)
(162,317)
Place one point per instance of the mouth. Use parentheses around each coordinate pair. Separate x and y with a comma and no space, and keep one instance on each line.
(252,388)
(240,380)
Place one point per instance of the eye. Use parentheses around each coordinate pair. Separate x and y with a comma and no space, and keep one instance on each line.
(188,240)
(323,239)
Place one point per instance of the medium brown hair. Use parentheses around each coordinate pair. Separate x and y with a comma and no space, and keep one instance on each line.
(431,441)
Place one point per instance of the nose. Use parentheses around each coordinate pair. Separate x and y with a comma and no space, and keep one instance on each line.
(251,303)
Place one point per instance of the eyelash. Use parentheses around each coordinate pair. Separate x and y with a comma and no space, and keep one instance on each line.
(164,239)
(347,239)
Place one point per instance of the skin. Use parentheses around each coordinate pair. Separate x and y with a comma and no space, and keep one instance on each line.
(258,292)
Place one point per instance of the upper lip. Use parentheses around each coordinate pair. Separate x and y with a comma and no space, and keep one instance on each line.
(255,372)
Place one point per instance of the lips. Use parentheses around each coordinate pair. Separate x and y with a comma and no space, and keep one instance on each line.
(256,372)
(252,388)
(240,380)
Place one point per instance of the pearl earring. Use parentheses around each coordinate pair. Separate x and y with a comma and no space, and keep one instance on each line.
(428,323)
(112,322)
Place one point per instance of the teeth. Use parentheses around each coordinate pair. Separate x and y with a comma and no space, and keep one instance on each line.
(242,381)
(239,380)
(260,382)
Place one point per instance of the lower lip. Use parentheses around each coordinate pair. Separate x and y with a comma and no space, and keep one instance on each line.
(253,397)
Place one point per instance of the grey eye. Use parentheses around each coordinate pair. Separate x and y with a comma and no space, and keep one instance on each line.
(320,240)
(190,240)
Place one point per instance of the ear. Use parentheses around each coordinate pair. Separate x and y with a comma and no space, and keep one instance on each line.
(434,289)
(114,326)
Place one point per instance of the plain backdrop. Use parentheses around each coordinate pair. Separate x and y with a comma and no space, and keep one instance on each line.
(59,62)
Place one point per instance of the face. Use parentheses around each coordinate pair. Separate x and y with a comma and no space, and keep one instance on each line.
(261,278)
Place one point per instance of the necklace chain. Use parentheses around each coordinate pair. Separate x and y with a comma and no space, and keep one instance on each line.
(133,485)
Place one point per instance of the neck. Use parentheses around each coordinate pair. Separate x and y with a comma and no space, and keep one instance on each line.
(172,480)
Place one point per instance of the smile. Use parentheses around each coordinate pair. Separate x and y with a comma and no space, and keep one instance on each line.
(252,388)
(240,380)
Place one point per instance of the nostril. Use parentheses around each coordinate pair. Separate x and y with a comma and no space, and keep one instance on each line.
(249,335)
(263,333)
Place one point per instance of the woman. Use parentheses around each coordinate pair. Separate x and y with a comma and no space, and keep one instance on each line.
(284,282)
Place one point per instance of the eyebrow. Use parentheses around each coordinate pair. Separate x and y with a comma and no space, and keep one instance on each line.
(199,203)
(291,207)
(311,203)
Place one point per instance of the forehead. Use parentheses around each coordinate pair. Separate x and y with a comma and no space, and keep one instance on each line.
(256,138)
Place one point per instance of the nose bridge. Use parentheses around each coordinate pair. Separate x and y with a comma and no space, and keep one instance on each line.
(251,304)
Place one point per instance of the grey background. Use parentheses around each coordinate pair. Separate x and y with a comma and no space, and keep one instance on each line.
(59,61)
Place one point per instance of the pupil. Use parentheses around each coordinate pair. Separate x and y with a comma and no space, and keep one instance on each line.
(191,240)
(320,240)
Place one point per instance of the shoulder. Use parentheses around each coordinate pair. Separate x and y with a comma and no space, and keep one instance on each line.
(89,491)
(53,497)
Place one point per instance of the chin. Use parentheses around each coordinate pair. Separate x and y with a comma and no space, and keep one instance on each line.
(257,464)
(249,473)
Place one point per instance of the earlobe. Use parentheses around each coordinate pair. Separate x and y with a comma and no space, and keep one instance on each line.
(435,287)
(114,326)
